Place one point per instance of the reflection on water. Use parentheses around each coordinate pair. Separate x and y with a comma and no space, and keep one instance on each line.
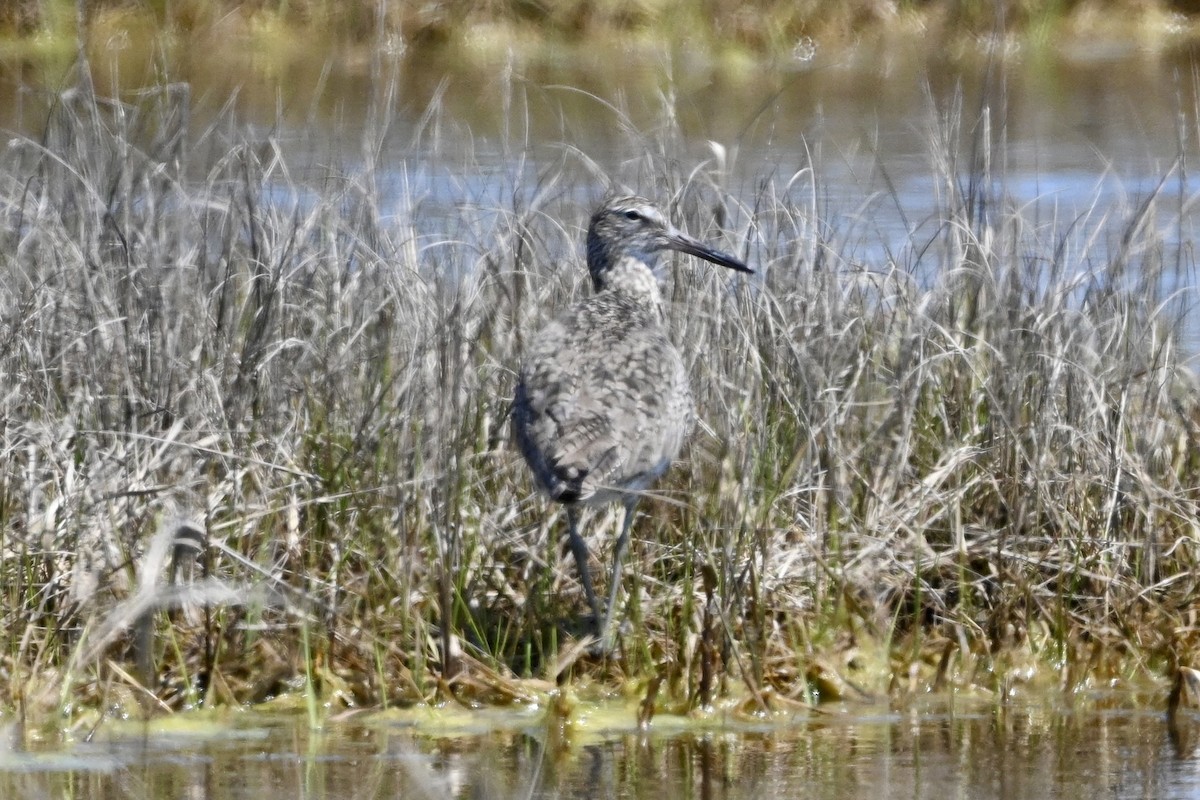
(878,138)
(1011,753)
(1066,121)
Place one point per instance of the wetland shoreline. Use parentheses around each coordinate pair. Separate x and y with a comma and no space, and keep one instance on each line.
(255,441)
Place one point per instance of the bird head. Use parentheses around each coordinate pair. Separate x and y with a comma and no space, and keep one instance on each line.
(631,227)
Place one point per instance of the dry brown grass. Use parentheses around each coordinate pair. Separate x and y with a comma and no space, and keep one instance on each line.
(767,29)
(255,442)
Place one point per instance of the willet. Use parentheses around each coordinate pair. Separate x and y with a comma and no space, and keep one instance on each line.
(602,405)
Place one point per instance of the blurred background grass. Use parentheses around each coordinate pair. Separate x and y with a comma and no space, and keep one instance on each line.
(760,29)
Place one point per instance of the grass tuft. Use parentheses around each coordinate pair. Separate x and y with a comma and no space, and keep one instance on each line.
(254,431)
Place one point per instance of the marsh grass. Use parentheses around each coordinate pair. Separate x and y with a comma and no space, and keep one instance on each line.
(255,444)
(763,29)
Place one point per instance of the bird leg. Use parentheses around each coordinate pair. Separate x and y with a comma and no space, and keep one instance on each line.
(614,582)
(580,549)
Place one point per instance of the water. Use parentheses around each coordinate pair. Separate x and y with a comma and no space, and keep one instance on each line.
(1069,126)
(1035,751)
(1080,136)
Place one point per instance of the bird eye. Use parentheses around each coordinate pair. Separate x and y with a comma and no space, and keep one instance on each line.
(631,214)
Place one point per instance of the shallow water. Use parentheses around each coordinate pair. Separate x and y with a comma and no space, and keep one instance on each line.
(1019,751)
(1067,125)
(1081,136)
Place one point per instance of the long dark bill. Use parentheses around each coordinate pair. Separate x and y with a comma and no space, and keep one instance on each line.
(694,247)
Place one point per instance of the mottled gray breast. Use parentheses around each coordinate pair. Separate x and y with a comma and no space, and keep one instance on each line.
(602,405)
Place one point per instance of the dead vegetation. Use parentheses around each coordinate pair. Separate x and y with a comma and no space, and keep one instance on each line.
(254,435)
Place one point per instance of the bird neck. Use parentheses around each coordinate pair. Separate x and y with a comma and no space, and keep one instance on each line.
(631,277)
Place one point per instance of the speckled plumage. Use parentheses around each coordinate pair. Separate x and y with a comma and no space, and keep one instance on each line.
(602,406)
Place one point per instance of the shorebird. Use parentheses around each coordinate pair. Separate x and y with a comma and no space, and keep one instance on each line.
(602,405)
